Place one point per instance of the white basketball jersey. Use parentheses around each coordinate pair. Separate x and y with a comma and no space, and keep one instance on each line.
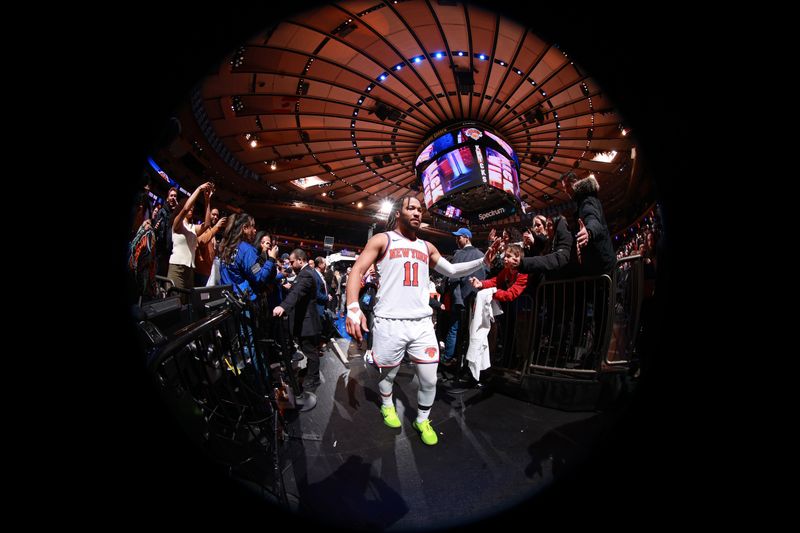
(403,269)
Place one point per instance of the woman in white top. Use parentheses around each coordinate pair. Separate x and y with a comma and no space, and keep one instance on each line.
(184,239)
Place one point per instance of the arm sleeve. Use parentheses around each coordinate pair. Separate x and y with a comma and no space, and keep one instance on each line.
(445,267)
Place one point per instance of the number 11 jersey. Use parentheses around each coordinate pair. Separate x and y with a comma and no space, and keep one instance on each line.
(403,269)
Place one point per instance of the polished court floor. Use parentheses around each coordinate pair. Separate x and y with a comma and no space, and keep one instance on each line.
(345,467)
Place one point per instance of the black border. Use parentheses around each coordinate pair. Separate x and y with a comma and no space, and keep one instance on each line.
(148,467)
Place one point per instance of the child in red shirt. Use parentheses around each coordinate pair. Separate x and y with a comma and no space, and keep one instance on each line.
(509,282)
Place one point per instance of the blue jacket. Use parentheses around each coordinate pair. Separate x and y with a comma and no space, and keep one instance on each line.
(322,293)
(245,273)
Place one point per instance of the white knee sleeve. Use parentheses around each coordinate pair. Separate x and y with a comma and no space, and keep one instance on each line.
(386,384)
(426,374)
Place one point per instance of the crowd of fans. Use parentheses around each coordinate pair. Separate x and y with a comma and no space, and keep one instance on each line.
(172,240)
(641,238)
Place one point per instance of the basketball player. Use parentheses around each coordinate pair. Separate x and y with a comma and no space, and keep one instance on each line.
(402,311)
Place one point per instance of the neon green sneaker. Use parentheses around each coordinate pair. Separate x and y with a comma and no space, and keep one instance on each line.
(428,434)
(390,416)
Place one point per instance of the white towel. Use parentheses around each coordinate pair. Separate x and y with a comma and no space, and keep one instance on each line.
(486,308)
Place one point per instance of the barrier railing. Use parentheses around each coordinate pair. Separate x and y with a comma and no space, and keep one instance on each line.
(627,307)
(229,388)
(573,328)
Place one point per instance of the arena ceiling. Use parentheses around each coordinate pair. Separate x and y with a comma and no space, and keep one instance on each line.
(349,91)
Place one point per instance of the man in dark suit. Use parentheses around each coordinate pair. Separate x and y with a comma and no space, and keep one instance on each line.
(306,321)
(324,297)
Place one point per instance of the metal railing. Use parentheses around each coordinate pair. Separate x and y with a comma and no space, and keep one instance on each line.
(229,387)
(573,328)
(627,310)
